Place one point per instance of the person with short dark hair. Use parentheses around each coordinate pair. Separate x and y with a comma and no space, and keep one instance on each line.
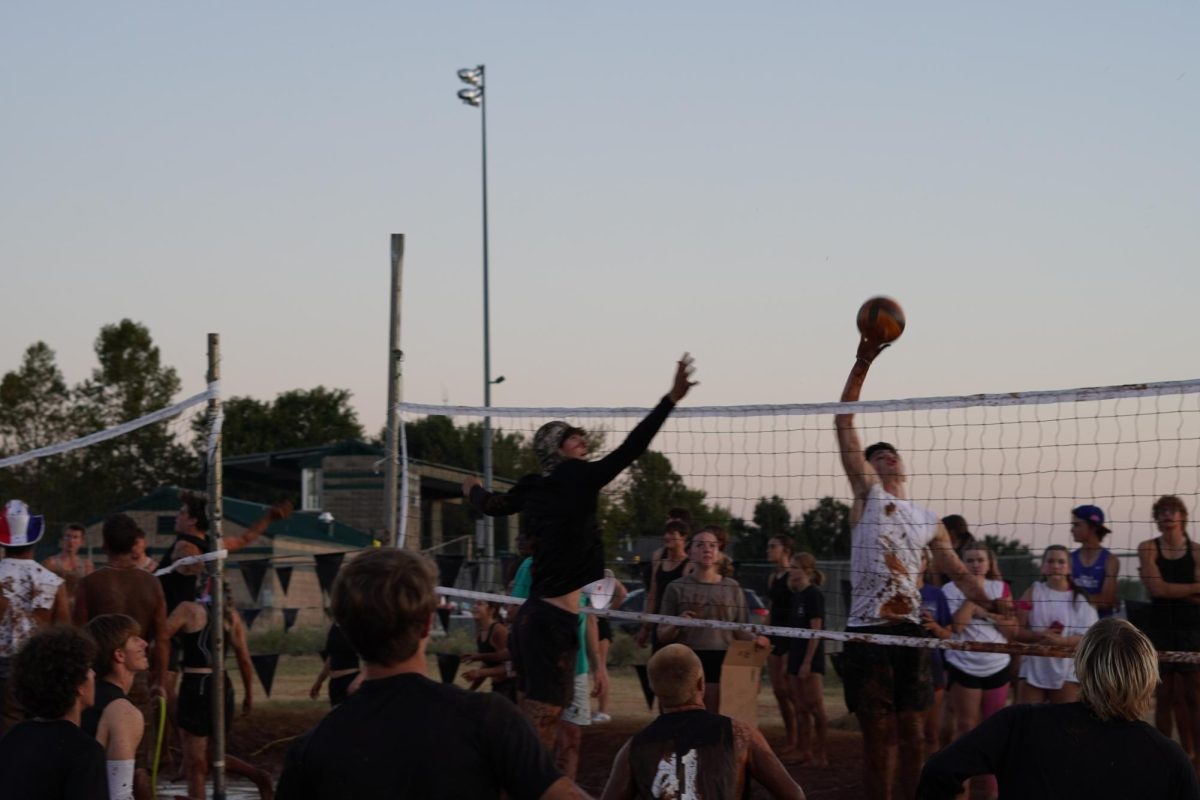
(49,757)
(559,506)
(667,565)
(889,689)
(401,734)
(690,752)
(31,596)
(117,724)
(1094,569)
(1097,748)
(67,563)
(121,587)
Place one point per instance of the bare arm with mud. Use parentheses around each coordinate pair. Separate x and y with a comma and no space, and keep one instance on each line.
(753,754)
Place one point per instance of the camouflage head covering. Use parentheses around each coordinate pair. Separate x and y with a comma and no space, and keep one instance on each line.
(546,442)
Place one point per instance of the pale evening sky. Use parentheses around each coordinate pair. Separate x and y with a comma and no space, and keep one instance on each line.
(732,181)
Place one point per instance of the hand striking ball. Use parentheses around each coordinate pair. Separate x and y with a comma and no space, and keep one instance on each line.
(881,320)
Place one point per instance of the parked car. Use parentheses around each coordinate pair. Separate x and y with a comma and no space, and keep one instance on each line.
(636,604)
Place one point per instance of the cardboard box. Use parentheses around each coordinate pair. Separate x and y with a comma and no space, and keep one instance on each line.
(741,678)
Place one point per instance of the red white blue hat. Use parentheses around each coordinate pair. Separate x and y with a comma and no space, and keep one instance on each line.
(18,527)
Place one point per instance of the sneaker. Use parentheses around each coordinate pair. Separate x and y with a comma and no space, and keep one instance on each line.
(600,716)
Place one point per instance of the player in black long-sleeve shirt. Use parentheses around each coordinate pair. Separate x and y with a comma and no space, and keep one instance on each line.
(559,508)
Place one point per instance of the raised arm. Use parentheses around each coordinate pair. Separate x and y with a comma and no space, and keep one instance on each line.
(276,512)
(603,471)
(946,561)
(861,475)
(494,504)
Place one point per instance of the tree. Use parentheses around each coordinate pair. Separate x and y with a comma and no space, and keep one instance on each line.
(1005,547)
(129,382)
(825,529)
(35,411)
(641,501)
(296,418)
(771,518)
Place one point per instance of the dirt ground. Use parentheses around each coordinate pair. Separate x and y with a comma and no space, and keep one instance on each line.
(262,737)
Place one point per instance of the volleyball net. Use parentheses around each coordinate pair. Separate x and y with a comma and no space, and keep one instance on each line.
(1013,465)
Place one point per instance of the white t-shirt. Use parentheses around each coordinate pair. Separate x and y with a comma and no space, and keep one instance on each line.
(28,587)
(1075,614)
(981,665)
(885,557)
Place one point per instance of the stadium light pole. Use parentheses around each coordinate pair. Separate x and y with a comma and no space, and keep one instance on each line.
(474,96)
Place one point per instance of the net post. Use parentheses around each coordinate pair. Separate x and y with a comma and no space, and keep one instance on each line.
(391,511)
(217,620)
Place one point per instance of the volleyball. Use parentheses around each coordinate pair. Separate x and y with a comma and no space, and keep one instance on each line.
(881,320)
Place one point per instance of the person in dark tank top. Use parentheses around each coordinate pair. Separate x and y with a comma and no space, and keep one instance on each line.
(690,752)
(1169,569)
(667,565)
(115,722)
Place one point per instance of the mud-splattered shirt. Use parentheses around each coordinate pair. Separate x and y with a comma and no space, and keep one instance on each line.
(27,587)
(885,557)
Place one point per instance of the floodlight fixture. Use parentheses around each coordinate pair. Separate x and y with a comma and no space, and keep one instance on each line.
(472,97)
(473,76)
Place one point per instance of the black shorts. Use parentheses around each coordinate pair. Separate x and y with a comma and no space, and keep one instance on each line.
(796,652)
(603,629)
(195,711)
(884,679)
(956,677)
(780,645)
(544,643)
(711,660)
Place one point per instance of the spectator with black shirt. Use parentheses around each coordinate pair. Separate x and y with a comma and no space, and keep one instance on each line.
(690,752)
(401,734)
(49,757)
(559,506)
(1097,748)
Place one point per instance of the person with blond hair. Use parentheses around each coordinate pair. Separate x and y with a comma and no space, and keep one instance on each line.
(689,751)
(1097,748)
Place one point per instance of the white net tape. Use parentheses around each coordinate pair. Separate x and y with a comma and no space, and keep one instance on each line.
(213,390)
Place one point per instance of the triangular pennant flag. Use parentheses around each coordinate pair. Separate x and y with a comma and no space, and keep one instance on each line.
(249,615)
(444,616)
(289,618)
(448,567)
(328,565)
(448,666)
(285,577)
(264,667)
(644,677)
(253,572)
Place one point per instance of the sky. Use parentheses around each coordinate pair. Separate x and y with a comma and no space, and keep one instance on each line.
(1023,178)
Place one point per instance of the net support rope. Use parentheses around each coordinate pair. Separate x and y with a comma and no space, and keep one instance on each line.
(212,390)
(1012,648)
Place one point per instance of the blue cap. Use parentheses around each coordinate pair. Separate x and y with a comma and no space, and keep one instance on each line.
(1091,514)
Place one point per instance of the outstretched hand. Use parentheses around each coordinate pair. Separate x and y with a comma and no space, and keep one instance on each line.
(869,349)
(469,484)
(683,381)
(281,510)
